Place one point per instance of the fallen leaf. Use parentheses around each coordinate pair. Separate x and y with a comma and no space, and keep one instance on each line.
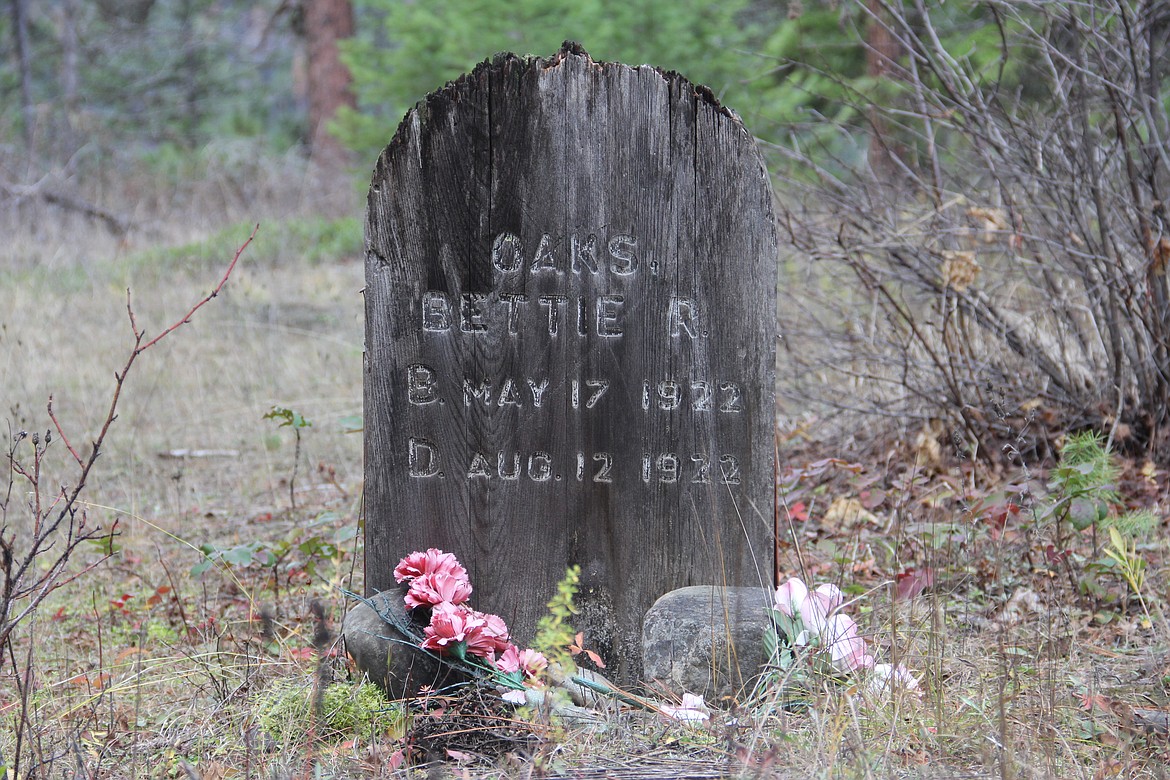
(912,582)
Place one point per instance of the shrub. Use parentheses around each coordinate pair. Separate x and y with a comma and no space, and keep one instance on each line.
(997,237)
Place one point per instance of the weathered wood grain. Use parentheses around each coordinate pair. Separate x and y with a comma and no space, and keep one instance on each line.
(570,308)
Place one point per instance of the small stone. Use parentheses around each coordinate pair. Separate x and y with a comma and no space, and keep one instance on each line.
(706,639)
(388,655)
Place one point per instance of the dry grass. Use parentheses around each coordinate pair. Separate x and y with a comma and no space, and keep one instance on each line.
(142,669)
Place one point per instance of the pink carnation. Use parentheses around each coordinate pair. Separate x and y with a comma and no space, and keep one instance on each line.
(449,626)
(528,662)
(509,660)
(437,588)
(487,636)
(433,561)
(532,662)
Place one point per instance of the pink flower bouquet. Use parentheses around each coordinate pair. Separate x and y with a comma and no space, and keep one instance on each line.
(437,590)
(812,627)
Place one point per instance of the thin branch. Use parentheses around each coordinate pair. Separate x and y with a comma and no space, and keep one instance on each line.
(15,568)
(187,317)
(61,433)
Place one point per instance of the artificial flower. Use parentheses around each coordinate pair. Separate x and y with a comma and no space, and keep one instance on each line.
(436,588)
(448,629)
(532,662)
(883,677)
(791,596)
(433,561)
(516,697)
(692,708)
(486,635)
(508,661)
(845,645)
(813,609)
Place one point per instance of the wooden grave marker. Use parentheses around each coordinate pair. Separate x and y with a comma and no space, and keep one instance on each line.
(570,328)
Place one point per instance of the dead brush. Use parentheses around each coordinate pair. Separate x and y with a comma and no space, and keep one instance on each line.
(1007,230)
(44,522)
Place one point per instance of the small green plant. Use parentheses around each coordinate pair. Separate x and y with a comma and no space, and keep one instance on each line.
(554,631)
(286,710)
(1084,487)
(287,418)
(324,539)
(1130,565)
(1083,482)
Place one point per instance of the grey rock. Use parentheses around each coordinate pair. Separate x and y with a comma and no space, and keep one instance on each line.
(706,639)
(386,654)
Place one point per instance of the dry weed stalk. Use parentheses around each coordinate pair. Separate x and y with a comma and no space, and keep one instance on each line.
(43,532)
(1010,227)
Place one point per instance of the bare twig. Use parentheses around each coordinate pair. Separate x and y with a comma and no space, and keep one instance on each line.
(34,568)
(1026,244)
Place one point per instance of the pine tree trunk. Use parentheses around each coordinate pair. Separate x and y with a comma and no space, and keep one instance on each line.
(24,60)
(69,72)
(881,50)
(326,23)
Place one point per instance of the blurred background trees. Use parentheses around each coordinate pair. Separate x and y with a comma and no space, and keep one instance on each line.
(973,191)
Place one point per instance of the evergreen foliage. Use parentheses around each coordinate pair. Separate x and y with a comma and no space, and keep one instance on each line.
(182,73)
(405,50)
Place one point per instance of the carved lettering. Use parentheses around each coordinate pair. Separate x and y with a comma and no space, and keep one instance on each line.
(479,467)
(599,385)
(701,396)
(582,316)
(421,385)
(544,259)
(609,309)
(729,465)
(472,313)
(512,299)
(669,395)
(553,304)
(600,316)
(507,253)
(668,467)
(702,469)
(583,253)
(665,468)
(436,311)
(602,474)
(508,394)
(540,466)
(732,400)
(537,391)
(683,317)
(482,392)
(514,474)
(422,458)
(621,248)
